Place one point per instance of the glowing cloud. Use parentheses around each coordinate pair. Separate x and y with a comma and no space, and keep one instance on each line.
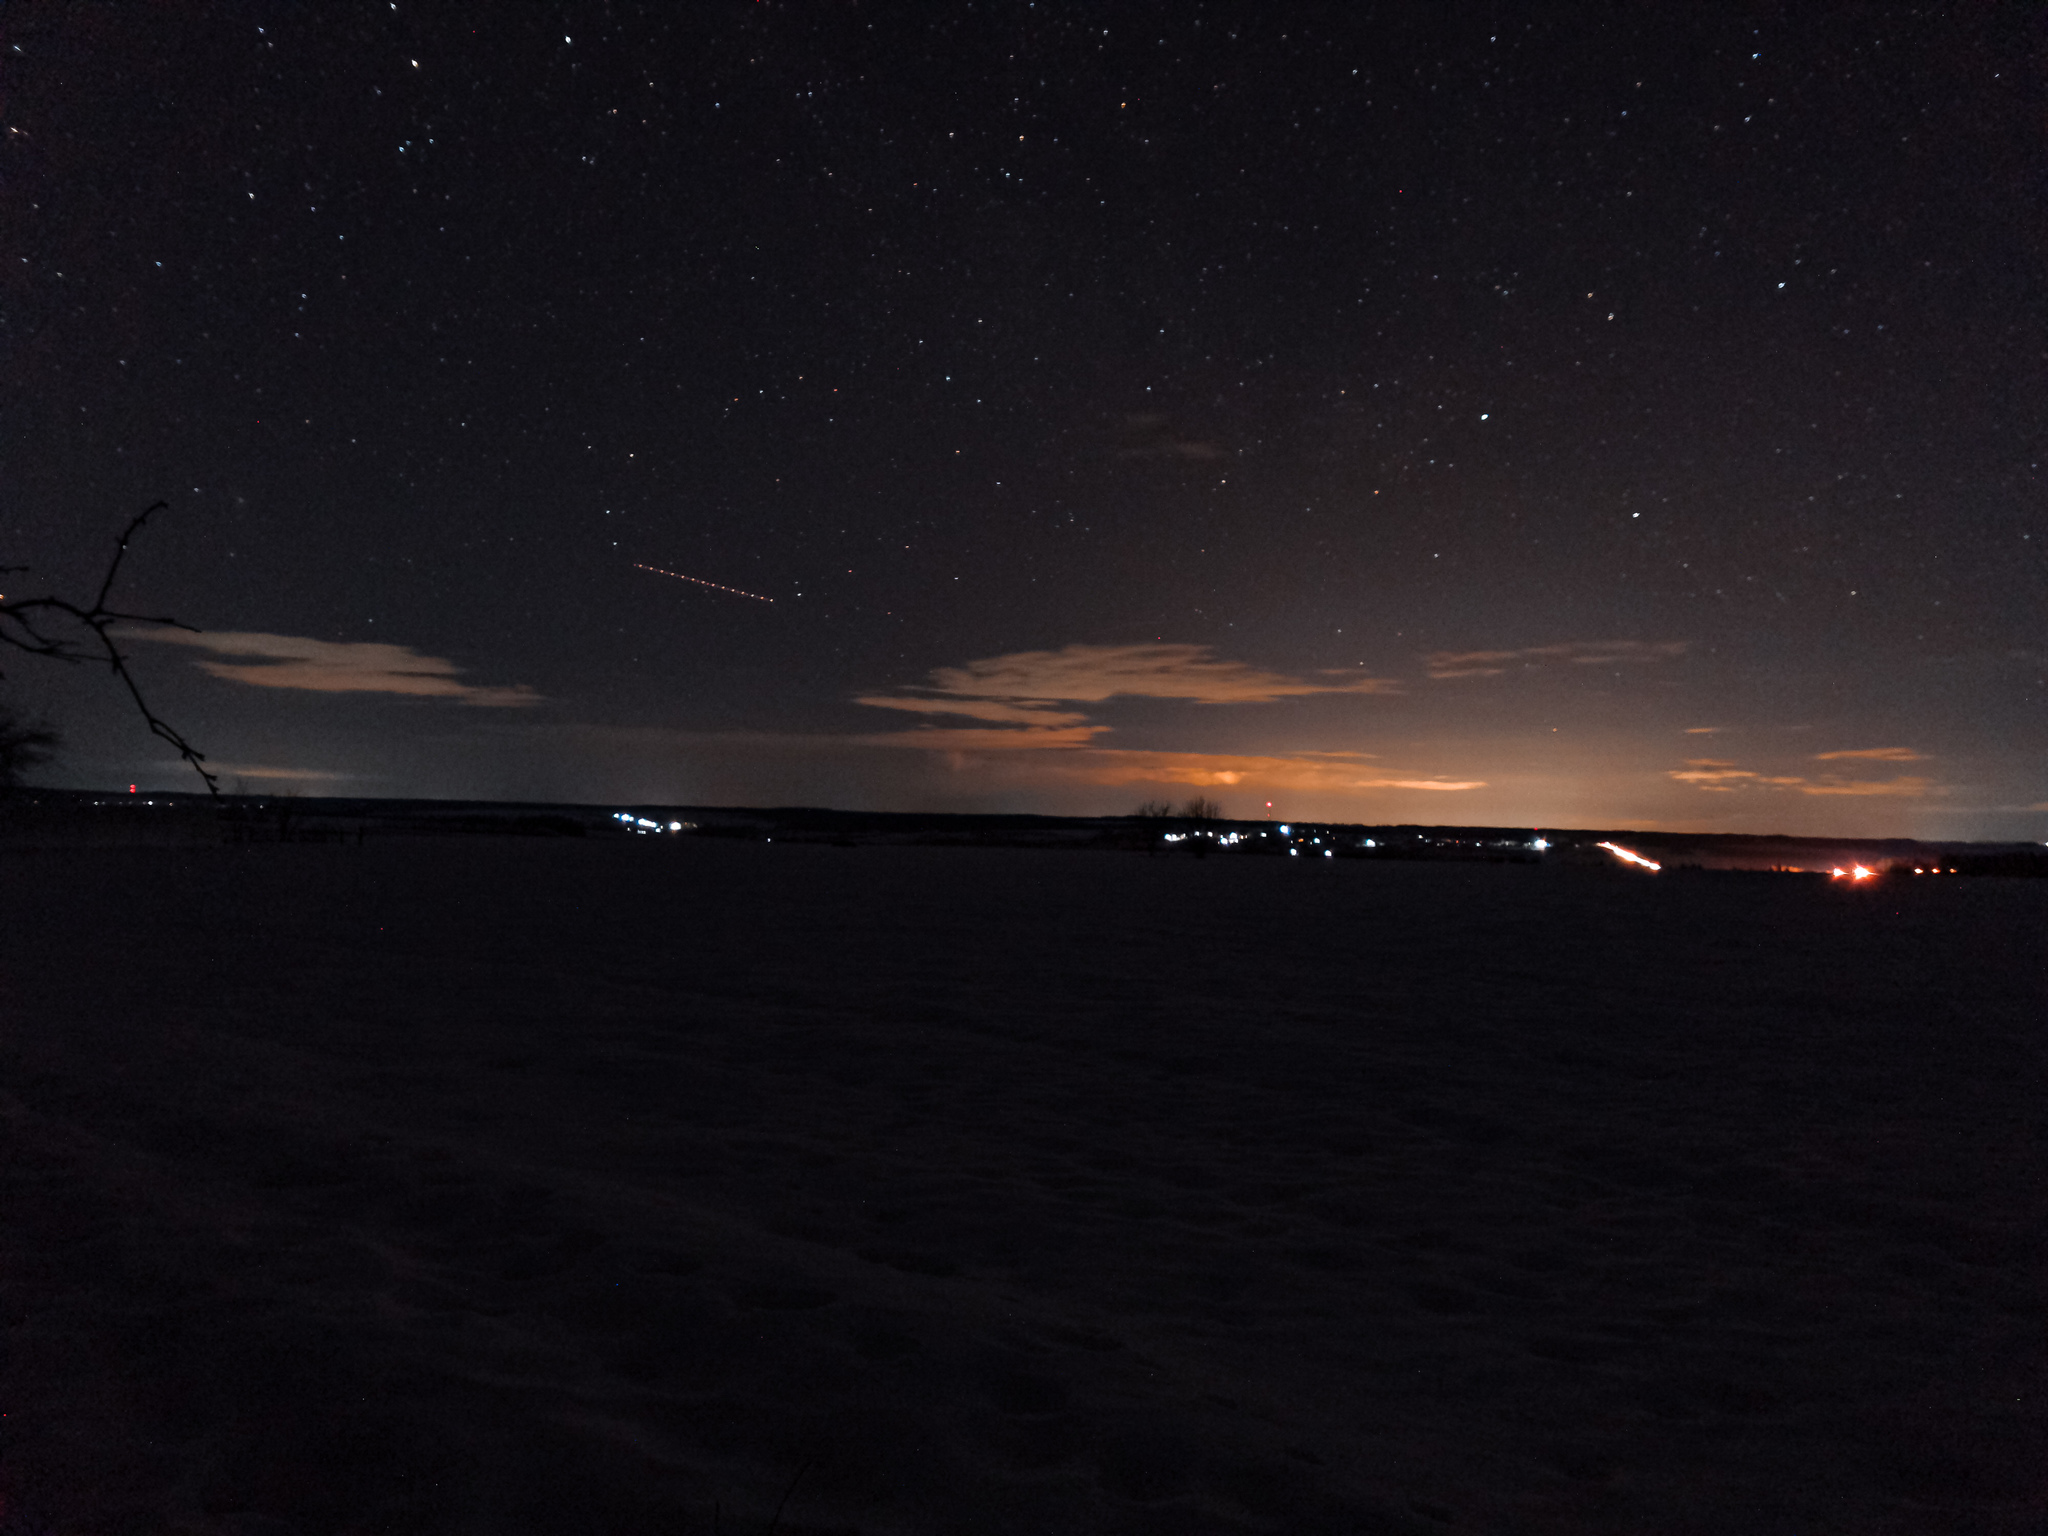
(1092,673)
(327,666)
(1586,653)
(1222,770)
(1713,773)
(1082,761)
(260,771)
(1018,694)
(1908,788)
(1875,754)
(1721,776)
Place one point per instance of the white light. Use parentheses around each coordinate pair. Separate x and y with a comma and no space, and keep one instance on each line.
(1629,858)
(1327,854)
(1283,830)
(1540,844)
(675,826)
(1294,853)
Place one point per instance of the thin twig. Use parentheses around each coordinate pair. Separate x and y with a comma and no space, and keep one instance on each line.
(18,629)
(800,1471)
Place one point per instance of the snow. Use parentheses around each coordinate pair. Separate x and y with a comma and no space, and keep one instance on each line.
(504,1186)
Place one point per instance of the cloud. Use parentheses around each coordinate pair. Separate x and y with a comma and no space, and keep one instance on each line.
(974,709)
(1151,437)
(1585,653)
(1876,754)
(1222,770)
(1717,775)
(1704,730)
(1018,695)
(1911,788)
(1092,673)
(327,666)
(967,739)
(259,771)
(1714,773)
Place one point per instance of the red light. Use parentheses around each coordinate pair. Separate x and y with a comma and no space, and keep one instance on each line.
(131,789)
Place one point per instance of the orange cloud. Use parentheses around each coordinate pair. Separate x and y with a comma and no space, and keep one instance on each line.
(1017,695)
(1588,653)
(327,666)
(1911,788)
(1710,773)
(1876,754)
(1222,770)
(1717,774)
(1081,760)
(259,771)
(1714,773)
(1092,673)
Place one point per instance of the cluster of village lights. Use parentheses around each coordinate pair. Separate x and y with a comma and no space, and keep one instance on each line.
(643,826)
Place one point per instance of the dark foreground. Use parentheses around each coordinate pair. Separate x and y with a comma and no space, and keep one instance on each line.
(634,1187)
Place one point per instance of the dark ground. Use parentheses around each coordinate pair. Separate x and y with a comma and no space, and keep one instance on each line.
(494,1186)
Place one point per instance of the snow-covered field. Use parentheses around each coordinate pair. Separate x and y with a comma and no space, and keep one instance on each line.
(635,1187)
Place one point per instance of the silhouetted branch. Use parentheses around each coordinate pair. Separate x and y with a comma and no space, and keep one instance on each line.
(21,627)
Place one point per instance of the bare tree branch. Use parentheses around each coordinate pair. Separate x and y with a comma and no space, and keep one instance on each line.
(20,628)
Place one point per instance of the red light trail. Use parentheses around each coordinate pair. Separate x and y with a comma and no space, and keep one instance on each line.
(714,586)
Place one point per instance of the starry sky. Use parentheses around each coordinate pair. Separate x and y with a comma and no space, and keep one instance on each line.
(1620,417)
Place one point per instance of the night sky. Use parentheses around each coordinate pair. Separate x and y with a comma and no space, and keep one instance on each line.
(1634,419)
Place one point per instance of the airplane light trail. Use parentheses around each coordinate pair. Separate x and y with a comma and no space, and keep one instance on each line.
(714,586)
